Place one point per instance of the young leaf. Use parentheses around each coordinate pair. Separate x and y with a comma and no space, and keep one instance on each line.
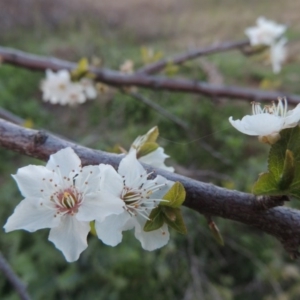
(175,195)
(152,135)
(283,176)
(169,213)
(178,223)
(288,172)
(146,149)
(156,220)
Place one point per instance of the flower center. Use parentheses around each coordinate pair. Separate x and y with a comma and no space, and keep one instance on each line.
(67,201)
(280,110)
(62,86)
(138,201)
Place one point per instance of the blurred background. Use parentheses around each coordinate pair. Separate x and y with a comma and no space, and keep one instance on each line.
(251,265)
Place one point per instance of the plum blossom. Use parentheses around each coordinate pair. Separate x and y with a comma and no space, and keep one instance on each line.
(58,88)
(267,122)
(65,197)
(88,88)
(278,54)
(266,32)
(155,158)
(139,196)
(127,67)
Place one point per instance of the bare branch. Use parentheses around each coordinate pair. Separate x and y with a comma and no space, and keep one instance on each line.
(192,54)
(280,222)
(114,78)
(16,282)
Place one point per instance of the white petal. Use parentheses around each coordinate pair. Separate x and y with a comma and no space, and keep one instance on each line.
(31,217)
(156,159)
(110,181)
(70,237)
(292,118)
(88,180)
(261,124)
(102,205)
(278,54)
(34,181)
(110,230)
(65,161)
(132,170)
(154,239)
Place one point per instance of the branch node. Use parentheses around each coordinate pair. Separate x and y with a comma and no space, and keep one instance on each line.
(40,138)
(262,203)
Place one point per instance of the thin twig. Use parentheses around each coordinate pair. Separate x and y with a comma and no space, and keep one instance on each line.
(183,125)
(114,78)
(192,54)
(15,281)
(9,116)
(160,110)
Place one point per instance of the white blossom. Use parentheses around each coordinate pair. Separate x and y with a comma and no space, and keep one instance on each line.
(267,122)
(139,195)
(266,32)
(127,67)
(278,54)
(88,88)
(155,158)
(65,197)
(58,88)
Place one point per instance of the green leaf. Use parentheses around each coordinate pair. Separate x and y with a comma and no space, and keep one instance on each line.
(156,220)
(81,69)
(288,172)
(175,195)
(146,148)
(283,176)
(169,213)
(176,221)
(152,135)
(266,185)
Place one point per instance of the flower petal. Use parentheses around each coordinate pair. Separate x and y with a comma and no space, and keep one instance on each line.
(154,239)
(132,170)
(31,217)
(70,237)
(261,124)
(110,181)
(110,230)
(65,161)
(33,181)
(100,206)
(88,181)
(156,159)
(292,118)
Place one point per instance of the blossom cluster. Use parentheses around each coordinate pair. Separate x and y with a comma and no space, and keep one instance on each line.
(267,122)
(69,198)
(269,33)
(58,88)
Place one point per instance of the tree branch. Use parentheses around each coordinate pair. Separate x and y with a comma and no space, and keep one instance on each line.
(13,278)
(114,78)
(280,222)
(183,57)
